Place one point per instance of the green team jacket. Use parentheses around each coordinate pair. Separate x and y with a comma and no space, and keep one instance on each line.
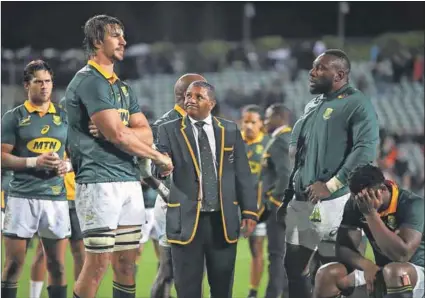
(336,133)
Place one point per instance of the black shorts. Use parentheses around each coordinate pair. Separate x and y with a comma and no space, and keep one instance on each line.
(75,225)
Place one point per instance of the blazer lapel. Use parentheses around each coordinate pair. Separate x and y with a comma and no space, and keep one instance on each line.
(188,141)
(219,145)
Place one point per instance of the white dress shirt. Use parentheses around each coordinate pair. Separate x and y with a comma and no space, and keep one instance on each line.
(209,129)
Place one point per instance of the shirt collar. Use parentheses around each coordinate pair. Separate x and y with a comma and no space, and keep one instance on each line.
(337,92)
(207,120)
(112,78)
(31,108)
(277,130)
(258,139)
(392,208)
(179,110)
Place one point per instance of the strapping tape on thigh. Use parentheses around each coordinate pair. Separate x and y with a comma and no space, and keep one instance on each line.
(127,239)
(100,242)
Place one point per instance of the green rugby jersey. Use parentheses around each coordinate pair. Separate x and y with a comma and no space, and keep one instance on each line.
(405,208)
(255,149)
(32,134)
(95,160)
(6,177)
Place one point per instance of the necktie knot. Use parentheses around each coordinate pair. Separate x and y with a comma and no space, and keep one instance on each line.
(200,124)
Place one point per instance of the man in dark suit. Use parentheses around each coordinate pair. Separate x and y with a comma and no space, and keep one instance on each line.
(163,280)
(211,180)
(274,178)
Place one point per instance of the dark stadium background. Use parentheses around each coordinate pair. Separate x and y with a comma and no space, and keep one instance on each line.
(257,56)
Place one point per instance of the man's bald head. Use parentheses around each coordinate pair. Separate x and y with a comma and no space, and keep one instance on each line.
(181,86)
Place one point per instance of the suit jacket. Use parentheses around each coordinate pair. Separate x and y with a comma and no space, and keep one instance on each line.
(275,169)
(236,189)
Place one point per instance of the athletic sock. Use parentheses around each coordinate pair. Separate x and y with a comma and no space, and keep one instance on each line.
(57,291)
(123,291)
(400,292)
(35,288)
(252,293)
(9,290)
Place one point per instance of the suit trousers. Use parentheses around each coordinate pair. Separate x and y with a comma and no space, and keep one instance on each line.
(208,245)
(278,282)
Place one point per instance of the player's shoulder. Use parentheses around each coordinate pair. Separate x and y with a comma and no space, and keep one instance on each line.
(411,200)
(355,98)
(87,78)
(15,113)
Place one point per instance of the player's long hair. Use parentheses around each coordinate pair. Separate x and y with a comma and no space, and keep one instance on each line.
(95,30)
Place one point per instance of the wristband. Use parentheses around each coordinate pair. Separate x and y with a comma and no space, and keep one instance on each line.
(31,162)
(334,184)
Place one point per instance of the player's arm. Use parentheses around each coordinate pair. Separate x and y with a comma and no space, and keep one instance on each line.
(111,127)
(163,146)
(94,93)
(245,191)
(279,153)
(9,123)
(138,122)
(399,246)
(364,128)
(349,238)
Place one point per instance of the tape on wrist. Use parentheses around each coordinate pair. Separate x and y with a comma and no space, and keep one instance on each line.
(334,184)
(163,191)
(68,166)
(31,162)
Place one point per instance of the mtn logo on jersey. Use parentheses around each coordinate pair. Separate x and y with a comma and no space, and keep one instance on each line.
(125,116)
(43,145)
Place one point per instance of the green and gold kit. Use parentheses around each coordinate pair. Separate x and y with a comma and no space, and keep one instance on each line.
(32,133)
(96,160)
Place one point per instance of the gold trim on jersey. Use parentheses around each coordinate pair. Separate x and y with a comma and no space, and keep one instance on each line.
(258,139)
(31,109)
(112,78)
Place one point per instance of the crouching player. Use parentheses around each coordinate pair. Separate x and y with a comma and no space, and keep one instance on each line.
(393,221)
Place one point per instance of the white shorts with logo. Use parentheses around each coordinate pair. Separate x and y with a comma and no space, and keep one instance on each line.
(149,230)
(260,230)
(160,214)
(25,217)
(300,230)
(106,206)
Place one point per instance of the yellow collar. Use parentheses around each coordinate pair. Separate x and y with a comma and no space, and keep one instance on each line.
(179,110)
(392,208)
(112,78)
(258,139)
(31,109)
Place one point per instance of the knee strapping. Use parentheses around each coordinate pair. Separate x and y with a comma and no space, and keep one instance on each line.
(100,242)
(127,239)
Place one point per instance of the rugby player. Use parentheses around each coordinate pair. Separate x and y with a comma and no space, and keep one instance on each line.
(109,196)
(393,221)
(338,131)
(252,130)
(33,140)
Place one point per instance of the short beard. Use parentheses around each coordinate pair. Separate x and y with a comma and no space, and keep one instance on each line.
(322,87)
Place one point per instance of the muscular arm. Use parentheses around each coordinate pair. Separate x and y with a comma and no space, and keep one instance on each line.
(398,247)
(110,125)
(140,127)
(347,242)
